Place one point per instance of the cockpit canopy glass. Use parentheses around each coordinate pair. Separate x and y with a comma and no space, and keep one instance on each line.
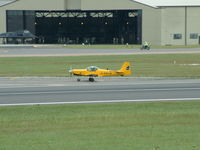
(92,68)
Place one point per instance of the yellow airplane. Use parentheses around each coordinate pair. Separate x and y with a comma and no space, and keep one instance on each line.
(94,71)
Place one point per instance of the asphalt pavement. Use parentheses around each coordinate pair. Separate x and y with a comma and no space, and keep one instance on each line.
(32,91)
(50,51)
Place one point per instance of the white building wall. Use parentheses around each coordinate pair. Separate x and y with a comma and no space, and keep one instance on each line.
(173,22)
(73,4)
(36,5)
(2,21)
(193,24)
(180,20)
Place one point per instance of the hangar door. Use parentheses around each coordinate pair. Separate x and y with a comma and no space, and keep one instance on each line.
(77,27)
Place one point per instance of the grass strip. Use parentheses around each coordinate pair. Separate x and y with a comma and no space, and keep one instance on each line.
(127,126)
(161,65)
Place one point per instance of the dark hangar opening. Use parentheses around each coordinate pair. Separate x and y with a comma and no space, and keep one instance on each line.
(77,27)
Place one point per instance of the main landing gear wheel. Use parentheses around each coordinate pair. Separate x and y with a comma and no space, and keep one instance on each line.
(91,79)
(78,80)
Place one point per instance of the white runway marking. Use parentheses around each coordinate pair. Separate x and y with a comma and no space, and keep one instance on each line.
(104,101)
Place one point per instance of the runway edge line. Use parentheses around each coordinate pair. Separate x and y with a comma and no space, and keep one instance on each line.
(104,101)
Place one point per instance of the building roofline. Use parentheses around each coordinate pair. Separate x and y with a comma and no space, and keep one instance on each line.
(143,3)
(168,3)
(7,3)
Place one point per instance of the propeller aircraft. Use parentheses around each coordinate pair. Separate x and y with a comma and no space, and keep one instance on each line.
(94,71)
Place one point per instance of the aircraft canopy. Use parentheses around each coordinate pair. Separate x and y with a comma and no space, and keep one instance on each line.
(92,68)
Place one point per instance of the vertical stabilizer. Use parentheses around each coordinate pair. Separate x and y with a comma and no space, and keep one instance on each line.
(126,69)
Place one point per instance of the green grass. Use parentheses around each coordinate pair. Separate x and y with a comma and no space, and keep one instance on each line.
(122,126)
(143,65)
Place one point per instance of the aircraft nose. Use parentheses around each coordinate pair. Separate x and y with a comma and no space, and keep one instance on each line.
(70,71)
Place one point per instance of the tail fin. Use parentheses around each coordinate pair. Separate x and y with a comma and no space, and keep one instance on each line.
(125,69)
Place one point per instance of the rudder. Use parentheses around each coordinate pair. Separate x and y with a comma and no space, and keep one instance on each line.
(126,68)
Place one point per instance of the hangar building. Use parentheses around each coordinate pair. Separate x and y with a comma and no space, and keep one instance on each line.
(160,22)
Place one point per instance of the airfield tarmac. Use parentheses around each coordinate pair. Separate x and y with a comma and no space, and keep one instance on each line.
(53,90)
(47,90)
(29,51)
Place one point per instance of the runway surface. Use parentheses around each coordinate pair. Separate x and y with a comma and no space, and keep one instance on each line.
(49,51)
(31,91)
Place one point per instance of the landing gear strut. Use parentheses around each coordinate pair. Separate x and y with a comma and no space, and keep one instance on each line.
(90,79)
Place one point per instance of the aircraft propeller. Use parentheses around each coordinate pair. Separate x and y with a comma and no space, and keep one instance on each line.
(70,71)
